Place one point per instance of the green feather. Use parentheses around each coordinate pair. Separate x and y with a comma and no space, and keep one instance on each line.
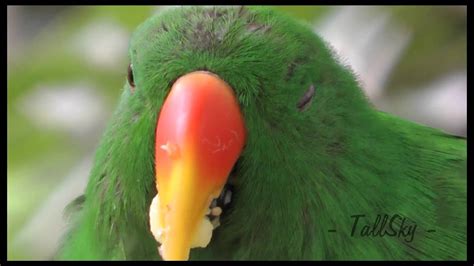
(301,174)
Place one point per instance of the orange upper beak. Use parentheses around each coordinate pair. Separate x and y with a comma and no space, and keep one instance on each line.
(199,137)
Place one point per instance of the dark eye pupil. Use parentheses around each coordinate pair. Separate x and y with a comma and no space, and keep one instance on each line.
(131,82)
(305,100)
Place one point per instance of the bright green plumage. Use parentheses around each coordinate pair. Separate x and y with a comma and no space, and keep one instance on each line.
(301,174)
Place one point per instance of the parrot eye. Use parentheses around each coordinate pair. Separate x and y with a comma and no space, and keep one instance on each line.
(131,82)
(305,101)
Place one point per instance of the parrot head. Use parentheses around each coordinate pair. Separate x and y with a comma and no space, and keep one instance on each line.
(210,87)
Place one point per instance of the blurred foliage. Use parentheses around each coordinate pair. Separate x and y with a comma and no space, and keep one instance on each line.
(438,46)
(39,158)
(35,151)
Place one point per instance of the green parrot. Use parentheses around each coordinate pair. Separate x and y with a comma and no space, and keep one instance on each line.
(240,136)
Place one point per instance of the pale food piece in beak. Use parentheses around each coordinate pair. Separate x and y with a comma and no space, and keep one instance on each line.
(201,239)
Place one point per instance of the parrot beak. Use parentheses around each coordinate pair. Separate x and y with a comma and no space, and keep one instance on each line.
(200,135)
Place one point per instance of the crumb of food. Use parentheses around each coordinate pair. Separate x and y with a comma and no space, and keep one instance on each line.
(216,211)
(160,251)
(216,222)
(171,148)
(155,226)
(203,234)
(228,197)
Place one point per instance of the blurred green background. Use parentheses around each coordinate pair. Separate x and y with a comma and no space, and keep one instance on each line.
(67,65)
